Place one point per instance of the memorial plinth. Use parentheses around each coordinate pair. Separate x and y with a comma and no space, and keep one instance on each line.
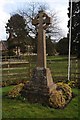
(41,85)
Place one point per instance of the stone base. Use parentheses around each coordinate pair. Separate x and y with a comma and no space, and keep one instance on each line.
(40,87)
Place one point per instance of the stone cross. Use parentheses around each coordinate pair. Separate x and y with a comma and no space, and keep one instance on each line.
(41,21)
(41,85)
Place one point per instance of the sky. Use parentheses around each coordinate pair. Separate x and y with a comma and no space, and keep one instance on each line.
(9,6)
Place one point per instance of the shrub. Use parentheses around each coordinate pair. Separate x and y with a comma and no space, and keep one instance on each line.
(16,91)
(72,84)
(56,99)
(12,82)
(61,96)
(66,90)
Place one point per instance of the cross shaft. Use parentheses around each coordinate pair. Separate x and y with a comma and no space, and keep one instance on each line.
(42,20)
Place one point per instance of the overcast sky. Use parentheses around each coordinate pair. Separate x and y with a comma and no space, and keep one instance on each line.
(9,6)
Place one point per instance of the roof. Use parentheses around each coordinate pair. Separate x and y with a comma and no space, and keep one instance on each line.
(3,45)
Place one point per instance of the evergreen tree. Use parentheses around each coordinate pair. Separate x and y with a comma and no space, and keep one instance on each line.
(75,29)
(50,46)
(16,28)
(62,46)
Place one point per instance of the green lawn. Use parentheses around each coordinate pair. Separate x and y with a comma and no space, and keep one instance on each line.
(15,108)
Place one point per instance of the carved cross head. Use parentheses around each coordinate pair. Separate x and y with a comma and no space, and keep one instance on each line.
(42,19)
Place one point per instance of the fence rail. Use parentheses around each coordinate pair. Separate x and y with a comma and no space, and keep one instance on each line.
(16,70)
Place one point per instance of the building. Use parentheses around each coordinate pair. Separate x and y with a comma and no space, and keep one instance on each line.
(3,47)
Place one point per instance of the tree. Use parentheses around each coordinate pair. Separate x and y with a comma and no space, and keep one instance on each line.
(75,29)
(16,28)
(30,12)
(50,46)
(27,15)
(62,46)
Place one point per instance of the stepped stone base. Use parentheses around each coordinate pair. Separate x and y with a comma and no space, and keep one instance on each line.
(40,87)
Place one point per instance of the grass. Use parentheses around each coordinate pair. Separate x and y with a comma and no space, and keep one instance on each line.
(15,108)
(57,57)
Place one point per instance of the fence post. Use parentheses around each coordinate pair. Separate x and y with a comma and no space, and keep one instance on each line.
(78,73)
(8,65)
(76,76)
(29,60)
(70,71)
(8,68)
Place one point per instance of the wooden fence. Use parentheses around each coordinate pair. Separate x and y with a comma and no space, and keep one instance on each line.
(75,69)
(16,70)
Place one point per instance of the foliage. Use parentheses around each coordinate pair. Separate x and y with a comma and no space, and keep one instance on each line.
(16,91)
(53,29)
(66,90)
(16,28)
(62,46)
(11,82)
(20,28)
(32,10)
(50,47)
(75,31)
(72,84)
(56,99)
(61,96)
